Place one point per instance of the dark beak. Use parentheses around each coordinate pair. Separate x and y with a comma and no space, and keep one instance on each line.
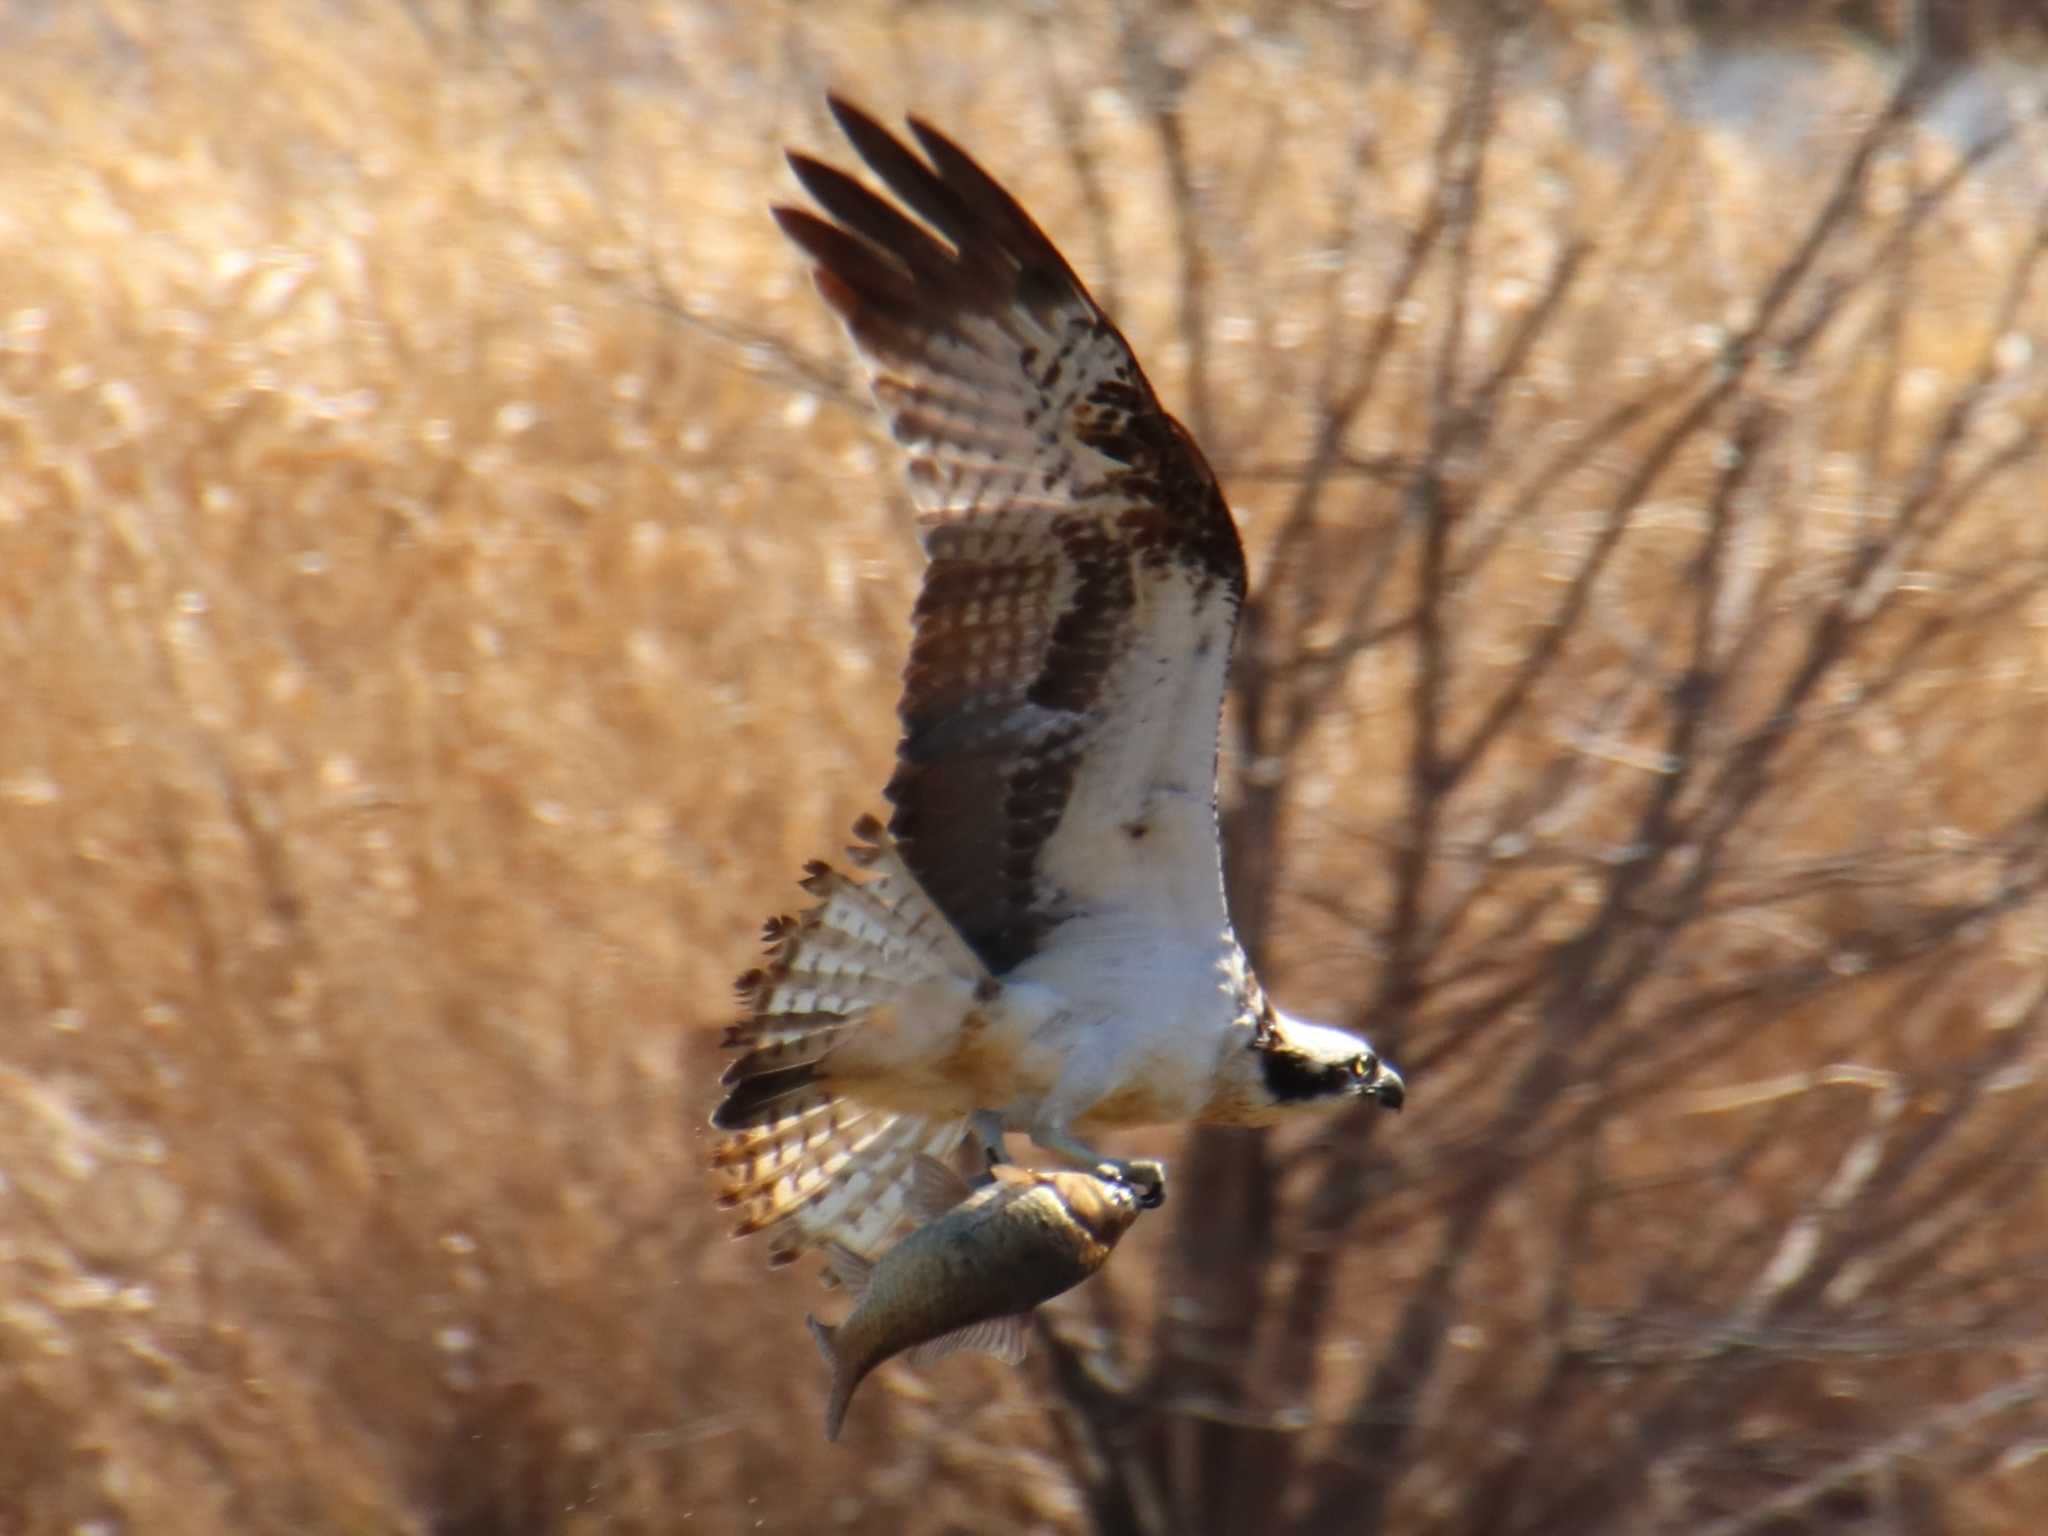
(1388,1088)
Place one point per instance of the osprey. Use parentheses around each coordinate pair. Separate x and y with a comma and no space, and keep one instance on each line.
(1041,943)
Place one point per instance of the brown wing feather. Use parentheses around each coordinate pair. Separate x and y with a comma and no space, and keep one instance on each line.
(1070,523)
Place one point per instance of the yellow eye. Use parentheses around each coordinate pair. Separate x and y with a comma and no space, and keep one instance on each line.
(1362,1066)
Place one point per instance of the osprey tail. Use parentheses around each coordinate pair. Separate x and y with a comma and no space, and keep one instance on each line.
(800,1160)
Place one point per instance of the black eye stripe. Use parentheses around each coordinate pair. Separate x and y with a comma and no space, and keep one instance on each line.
(1290,1078)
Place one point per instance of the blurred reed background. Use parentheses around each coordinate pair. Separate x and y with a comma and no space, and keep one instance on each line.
(449,582)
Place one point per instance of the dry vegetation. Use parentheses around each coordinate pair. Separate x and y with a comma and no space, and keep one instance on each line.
(445,596)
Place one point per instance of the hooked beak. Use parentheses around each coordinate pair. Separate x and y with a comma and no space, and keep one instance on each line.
(1388,1088)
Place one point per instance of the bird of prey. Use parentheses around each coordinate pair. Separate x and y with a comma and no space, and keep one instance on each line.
(1041,943)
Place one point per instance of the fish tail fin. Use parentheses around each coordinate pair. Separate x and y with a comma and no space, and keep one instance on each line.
(800,1161)
(843,1382)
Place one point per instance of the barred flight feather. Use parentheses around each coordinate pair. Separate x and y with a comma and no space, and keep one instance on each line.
(800,1161)
(1084,578)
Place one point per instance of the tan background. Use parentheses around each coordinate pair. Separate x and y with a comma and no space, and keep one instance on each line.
(445,594)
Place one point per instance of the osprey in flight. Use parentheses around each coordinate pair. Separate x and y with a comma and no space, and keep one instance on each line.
(1041,943)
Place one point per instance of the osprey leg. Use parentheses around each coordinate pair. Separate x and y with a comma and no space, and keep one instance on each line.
(986,1127)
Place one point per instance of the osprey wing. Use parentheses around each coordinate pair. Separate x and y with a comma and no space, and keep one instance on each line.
(1061,704)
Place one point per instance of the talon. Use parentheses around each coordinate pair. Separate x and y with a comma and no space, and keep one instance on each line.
(986,1126)
(1146,1175)
(1151,1179)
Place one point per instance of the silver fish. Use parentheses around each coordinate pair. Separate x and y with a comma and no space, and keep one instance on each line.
(970,1277)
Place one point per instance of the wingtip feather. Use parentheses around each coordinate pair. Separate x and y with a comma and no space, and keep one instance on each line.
(850,118)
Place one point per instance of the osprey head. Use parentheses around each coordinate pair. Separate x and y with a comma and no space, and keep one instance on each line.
(1288,1063)
(1303,1063)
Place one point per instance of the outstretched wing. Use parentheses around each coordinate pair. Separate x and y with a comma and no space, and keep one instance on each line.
(1061,704)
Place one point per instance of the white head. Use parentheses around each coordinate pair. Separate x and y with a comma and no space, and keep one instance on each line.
(1284,1063)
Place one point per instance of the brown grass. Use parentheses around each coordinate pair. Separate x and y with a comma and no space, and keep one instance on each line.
(445,596)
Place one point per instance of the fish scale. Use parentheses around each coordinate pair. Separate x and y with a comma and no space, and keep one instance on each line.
(970,1277)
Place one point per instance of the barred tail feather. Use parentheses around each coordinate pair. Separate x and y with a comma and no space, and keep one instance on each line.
(832,1172)
(801,1161)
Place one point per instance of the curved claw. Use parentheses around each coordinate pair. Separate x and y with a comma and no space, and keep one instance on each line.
(986,1127)
(1146,1175)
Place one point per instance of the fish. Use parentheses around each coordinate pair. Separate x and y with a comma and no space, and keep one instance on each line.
(985,1257)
